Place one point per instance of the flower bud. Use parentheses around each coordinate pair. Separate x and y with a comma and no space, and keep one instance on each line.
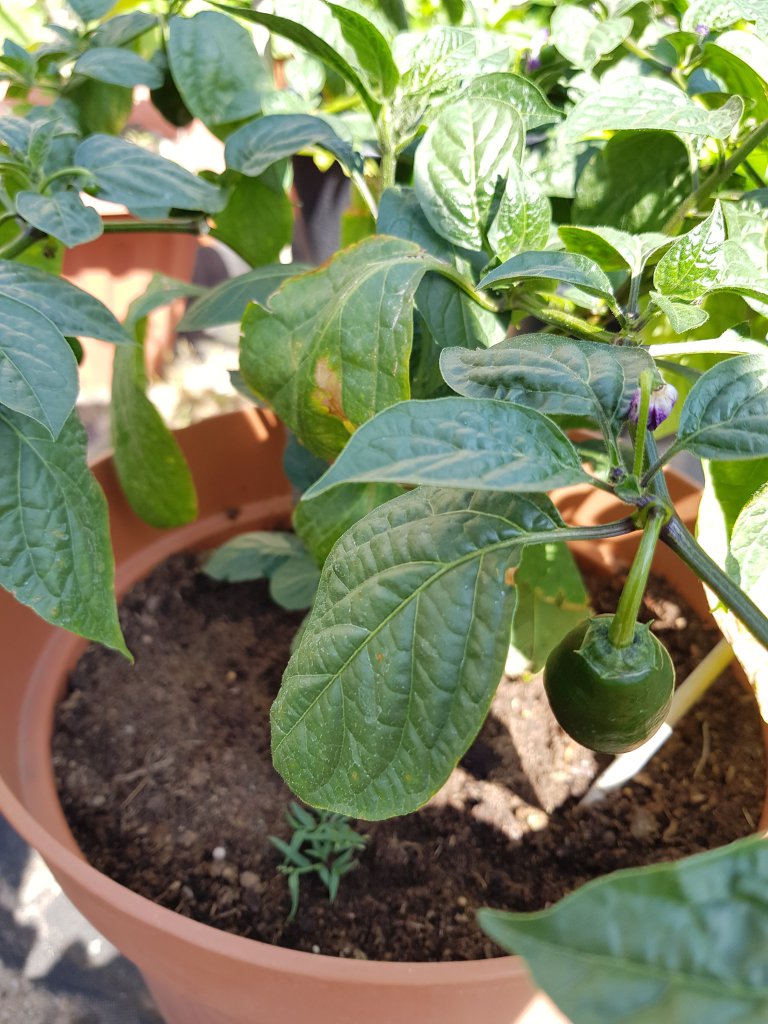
(661,405)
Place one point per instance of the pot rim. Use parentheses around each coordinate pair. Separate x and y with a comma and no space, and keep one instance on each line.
(65,648)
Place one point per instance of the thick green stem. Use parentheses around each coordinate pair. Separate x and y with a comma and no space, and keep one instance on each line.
(566,321)
(19,245)
(388,153)
(163,227)
(622,629)
(646,383)
(685,546)
(480,297)
(65,172)
(717,177)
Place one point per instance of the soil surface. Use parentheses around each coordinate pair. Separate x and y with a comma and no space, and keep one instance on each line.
(165,777)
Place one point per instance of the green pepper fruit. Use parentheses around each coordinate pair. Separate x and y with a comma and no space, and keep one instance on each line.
(609,698)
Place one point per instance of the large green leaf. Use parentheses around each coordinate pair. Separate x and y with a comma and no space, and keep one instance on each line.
(740,61)
(61,214)
(551,601)
(726,413)
(737,493)
(55,554)
(226,303)
(568,267)
(555,376)
(216,68)
(584,39)
(38,372)
(313,44)
(261,143)
(151,467)
(695,261)
(526,98)
(634,183)
(613,249)
(74,311)
(117,66)
(452,316)
(412,596)
(637,103)
(469,145)
(523,217)
(679,942)
(370,47)
(91,10)
(234,225)
(334,346)
(453,442)
(143,181)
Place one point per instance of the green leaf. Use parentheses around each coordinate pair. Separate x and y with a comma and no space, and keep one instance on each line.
(216,68)
(637,103)
(261,143)
(62,215)
(161,291)
(234,225)
(696,949)
(226,303)
(467,148)
(55,553)
(613,249)
(694,262)
(313,44)
(735,493)
(717,14)
(150,465)
(100,107)
(523,217)
(359,724)
(682,317)
(634,183)
(567,267)
(551,601)
(740,61)
(143,181)
(454,442)
(726,413)
(38,372)
(321,521)
(253,556)
(371,49)
(453,318)
(124,28)
(556,376)
(91,10)
(582,38)
(334,346)
(526,98)
(15,132)
(72,310)
(293,584)
(117,66)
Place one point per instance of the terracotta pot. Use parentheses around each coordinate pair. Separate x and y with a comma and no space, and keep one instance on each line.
(198,974)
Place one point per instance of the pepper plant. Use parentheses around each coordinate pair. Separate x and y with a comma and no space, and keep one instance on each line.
(559,222)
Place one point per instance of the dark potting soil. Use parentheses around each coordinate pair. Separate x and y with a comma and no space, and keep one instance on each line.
(165,777)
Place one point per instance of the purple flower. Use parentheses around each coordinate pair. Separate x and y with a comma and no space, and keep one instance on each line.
(538,42)
(662,403)
(701,31)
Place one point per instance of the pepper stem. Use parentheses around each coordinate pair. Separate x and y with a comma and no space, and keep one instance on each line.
(622,631)
(646,384)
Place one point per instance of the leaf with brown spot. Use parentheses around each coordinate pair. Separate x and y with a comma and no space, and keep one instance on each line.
(334,346)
